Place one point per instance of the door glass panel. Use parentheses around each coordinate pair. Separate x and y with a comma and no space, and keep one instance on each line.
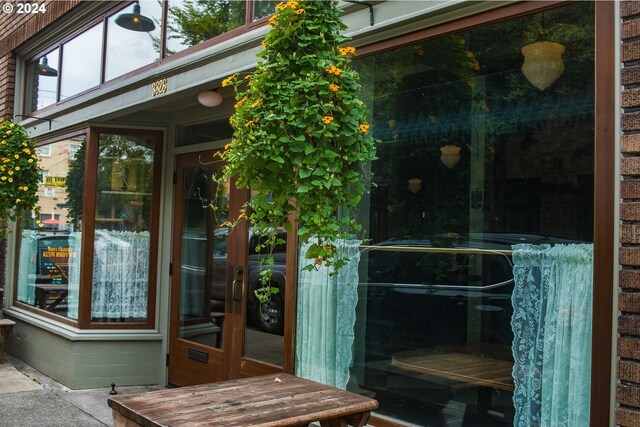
(265,321)
(203,260)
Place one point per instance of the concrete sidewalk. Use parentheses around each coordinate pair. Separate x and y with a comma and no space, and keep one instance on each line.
(29,398)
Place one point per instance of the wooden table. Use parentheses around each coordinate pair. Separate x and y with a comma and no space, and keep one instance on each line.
(470,368)
(268,400)
(43,292)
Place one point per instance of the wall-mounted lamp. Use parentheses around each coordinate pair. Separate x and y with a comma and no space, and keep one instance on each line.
(542,63)
(450,155)
(210,98)
(415,185)
(135,21)
(43,69)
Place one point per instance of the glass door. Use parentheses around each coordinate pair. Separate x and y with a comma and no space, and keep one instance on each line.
(216,332)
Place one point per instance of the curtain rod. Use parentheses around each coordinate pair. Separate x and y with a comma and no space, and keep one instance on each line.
(437,250)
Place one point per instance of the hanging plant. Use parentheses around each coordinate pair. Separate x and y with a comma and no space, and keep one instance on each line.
(301,137)
(19,175)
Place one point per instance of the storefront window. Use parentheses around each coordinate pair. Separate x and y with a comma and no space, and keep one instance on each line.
(478,154)
(190,22)
(129,50)
(42,75)
(81,62)
(262,8)
(122,228)
(49,254)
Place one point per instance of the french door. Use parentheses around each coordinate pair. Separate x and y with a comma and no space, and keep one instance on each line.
(212,337)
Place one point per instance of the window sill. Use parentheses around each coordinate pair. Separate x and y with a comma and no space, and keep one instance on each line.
(75,334)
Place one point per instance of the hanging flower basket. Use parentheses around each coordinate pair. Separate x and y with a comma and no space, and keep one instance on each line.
(19,174)
(301,138)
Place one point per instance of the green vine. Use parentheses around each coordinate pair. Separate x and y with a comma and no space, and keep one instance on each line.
(19,175)
(301,137)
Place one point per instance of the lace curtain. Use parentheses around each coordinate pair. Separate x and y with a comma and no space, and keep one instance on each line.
(326,317)
(75,243)
(120,274)
(552,302)
(27,270)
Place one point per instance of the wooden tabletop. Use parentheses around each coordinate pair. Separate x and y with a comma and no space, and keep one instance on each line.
(268,400)
(478,369)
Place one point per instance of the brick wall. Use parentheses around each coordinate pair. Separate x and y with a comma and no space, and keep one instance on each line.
(628,388)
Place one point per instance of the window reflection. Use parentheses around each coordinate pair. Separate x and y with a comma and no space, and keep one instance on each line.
(43,89)
(81,62)
(262,8)
(128,50)
(473,159)
(122,229)
(49,254)
(190,22)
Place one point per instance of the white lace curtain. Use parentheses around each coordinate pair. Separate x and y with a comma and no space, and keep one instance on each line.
(552,311)
(326,317)
(120,274)
(27,270)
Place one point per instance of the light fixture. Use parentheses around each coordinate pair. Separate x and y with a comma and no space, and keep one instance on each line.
(43,69)
(542,63)
(415,184)
(135,21)
(210,98)
(450,155)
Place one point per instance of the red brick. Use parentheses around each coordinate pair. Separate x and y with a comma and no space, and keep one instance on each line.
(629,302)
(629,325)
(630,51)
(629,8)
(629,371)
(630,189)
(631,121)
(630,211)
(628,395)
(627,417)
(630,29)
(630,279)
(629,348)
(630,256)
(630,98)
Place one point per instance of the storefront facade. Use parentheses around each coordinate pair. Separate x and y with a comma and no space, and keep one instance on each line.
(134,280)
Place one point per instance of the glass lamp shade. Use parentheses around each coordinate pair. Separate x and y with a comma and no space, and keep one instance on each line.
(415,184)
(135,21)
(542,63)
(210,98)
(450,155)
(43,69)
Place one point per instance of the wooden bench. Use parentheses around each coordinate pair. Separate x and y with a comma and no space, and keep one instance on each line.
(6,330)
(268,400)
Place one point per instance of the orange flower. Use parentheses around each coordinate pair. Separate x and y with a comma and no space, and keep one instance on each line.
(333,87)
(327,119)
(364,128)
(334,70)
(347,50)
(299,11)
(319,260)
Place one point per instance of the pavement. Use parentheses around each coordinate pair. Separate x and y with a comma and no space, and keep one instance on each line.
(28,398)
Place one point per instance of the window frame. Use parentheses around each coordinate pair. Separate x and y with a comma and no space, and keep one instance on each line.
(88,233)
(604,177)
(249,24)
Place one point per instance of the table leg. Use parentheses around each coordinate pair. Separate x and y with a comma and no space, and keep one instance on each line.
(355,420)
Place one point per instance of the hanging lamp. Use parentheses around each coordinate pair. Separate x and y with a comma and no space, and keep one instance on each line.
(43,68)
(542,63)
(135,21)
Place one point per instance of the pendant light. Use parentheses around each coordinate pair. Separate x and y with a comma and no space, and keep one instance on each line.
(43,69)
(210,98)
(542,63)
(135,21)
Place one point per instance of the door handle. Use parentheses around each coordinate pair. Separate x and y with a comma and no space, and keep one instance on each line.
(237,284)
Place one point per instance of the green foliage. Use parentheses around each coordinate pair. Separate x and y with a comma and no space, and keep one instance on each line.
(19,174)
(300,132)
